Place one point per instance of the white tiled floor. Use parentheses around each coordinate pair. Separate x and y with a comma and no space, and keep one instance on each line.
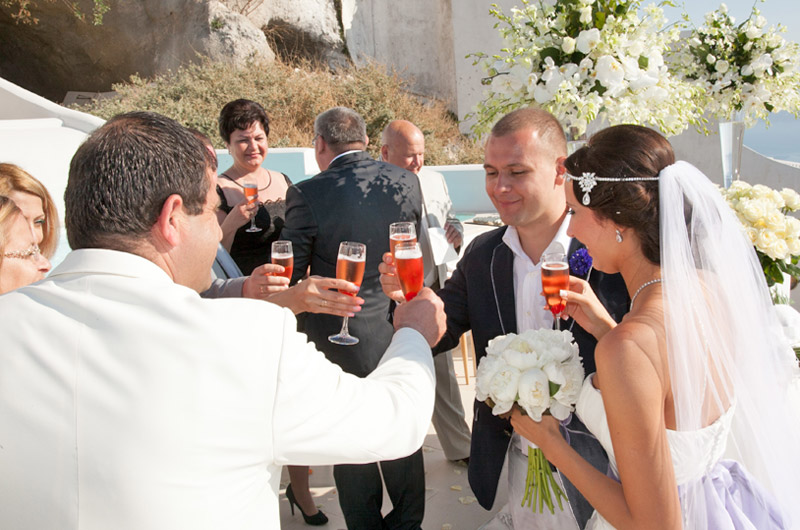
(449,499)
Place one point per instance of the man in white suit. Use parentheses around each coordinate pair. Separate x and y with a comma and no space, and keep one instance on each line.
(128,402)
(403,144)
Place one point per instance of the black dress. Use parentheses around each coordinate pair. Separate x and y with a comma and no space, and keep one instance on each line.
(251,249)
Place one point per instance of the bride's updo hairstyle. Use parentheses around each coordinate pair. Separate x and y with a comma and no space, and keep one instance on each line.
(624,152)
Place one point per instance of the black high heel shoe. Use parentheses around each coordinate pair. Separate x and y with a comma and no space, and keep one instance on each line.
(318,519)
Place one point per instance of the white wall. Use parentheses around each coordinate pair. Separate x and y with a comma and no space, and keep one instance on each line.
(413,36)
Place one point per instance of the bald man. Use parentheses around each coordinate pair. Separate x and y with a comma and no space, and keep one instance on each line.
(403,144)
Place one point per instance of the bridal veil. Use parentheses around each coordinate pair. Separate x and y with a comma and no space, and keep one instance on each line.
(726,346)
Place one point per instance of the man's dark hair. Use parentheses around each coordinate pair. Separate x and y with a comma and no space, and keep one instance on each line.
(241,114)
(342,129)
(122,174)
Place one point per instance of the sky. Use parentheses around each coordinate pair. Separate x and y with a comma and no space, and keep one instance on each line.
(780,139)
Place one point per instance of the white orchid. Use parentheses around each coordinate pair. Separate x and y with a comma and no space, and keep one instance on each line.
(747,68)
(587,40)
(587,60)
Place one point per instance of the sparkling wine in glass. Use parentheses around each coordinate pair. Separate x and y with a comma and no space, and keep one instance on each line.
(282,255)
(251,194)
(402,231)
(349,266)
(555,278)
(408,260)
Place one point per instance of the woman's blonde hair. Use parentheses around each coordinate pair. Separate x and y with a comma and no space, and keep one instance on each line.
(8,214)
(14,178)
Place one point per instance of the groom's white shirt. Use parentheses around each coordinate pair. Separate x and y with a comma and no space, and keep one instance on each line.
(128,402)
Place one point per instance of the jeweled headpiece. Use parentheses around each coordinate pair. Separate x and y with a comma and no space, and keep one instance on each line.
(588,181)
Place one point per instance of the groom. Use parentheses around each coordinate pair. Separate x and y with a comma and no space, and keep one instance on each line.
(495,290)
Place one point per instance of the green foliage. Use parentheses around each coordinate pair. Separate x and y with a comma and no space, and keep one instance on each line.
(292,97)
(22,10)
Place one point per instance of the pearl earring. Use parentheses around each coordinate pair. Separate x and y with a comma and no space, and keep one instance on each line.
(619,236)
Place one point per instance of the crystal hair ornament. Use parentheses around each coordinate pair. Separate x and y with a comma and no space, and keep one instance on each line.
(589,180)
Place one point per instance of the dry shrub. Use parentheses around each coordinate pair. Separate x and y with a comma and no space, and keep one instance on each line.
(293,96)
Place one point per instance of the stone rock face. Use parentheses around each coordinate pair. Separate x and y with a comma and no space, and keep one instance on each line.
(147,37)
(297,29)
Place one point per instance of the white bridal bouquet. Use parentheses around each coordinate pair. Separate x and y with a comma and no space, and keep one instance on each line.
(586,59)
(764,214)
(541,371)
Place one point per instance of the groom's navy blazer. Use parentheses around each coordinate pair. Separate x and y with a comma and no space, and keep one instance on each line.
(480,297)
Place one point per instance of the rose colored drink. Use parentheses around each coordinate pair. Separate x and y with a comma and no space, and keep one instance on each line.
(350,269)
(286,261)
(408,260)
(394,239)
(555,277)
(250,193)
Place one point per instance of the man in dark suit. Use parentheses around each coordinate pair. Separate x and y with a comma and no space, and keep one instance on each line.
(356,198)
(495,290)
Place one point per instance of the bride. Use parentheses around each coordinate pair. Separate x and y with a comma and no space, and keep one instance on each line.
(689,397)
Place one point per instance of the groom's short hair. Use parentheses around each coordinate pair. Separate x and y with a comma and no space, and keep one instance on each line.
(548,127)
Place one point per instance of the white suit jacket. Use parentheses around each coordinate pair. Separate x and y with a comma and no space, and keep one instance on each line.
(438,208)
(128,402)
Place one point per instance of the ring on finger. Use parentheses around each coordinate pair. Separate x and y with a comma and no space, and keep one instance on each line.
(324,303)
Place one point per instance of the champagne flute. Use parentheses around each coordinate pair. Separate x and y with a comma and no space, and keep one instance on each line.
(555,277)
(349,266)
(408,260)
(401,231)
(282,255)
(251,194)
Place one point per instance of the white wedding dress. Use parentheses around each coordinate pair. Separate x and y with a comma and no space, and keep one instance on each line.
(734,499)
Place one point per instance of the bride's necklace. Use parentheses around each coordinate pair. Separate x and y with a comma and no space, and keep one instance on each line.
(639,290)
(259,189)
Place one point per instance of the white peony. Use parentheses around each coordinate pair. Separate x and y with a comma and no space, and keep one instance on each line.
(503,388)
(487,369)
(534,393)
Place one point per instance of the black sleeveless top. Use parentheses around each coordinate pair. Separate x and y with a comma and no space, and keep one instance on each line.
(251,249)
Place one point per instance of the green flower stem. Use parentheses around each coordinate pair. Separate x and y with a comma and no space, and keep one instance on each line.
(541,484)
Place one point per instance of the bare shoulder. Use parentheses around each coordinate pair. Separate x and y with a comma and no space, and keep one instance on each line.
(630,356)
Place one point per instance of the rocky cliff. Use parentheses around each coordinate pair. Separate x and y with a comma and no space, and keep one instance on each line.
(148,37)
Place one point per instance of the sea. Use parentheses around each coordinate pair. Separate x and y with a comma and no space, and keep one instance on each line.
(780,139)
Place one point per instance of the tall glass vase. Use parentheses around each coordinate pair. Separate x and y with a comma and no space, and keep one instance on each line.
(731,142)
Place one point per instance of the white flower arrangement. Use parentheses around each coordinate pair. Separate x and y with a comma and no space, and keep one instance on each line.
(775,235)
(586,59)
(746,69)
(541,371)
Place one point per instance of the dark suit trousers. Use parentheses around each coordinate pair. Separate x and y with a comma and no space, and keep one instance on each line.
(361,494)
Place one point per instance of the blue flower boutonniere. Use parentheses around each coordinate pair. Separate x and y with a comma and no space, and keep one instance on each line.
(580,262)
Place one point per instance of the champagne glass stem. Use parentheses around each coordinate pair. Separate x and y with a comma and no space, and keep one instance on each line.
(558,321)
(344,331)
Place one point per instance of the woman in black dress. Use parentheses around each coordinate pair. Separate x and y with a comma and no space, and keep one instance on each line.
(244,126)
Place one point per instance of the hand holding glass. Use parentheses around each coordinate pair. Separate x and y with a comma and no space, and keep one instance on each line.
(402,231)
(350,266)
(408,261)
(555,278)
(282,255)
(251,194)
